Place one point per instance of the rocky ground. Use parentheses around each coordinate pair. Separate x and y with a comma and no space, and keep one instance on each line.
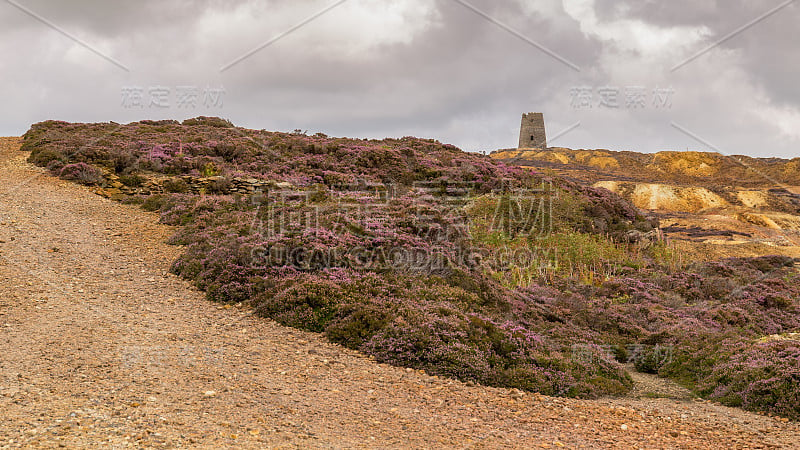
(101,346)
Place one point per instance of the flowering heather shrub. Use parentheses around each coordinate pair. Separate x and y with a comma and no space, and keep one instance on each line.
(632,288)
(421,323)
(80,172)
(759,377)
(202,120)
(172,148)
(132,180)
(447,320)
(417,282)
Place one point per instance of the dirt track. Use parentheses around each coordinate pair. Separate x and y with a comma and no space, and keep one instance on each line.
(100,346)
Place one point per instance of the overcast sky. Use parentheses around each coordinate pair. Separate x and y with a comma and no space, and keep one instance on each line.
(641,75)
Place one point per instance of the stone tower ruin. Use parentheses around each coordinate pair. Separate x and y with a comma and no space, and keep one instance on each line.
(531,132)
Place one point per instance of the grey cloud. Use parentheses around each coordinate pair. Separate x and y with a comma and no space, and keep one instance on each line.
(765,47)
(460,79)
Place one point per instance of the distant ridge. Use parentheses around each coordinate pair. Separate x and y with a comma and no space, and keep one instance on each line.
(680,167)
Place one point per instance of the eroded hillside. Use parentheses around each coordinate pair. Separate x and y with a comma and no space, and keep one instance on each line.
(712,204)
(427,257)
(103,348)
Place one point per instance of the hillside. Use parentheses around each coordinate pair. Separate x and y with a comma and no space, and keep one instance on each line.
(103,347)
(707,201)
(427,257)
(668,167)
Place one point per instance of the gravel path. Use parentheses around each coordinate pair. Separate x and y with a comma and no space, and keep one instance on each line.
(102,347)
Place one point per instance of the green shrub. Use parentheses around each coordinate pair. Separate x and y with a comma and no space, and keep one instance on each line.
(175,185)
(44,156)
(208,121)
(132,180)
(155,202)
(219,186)
(652,358)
